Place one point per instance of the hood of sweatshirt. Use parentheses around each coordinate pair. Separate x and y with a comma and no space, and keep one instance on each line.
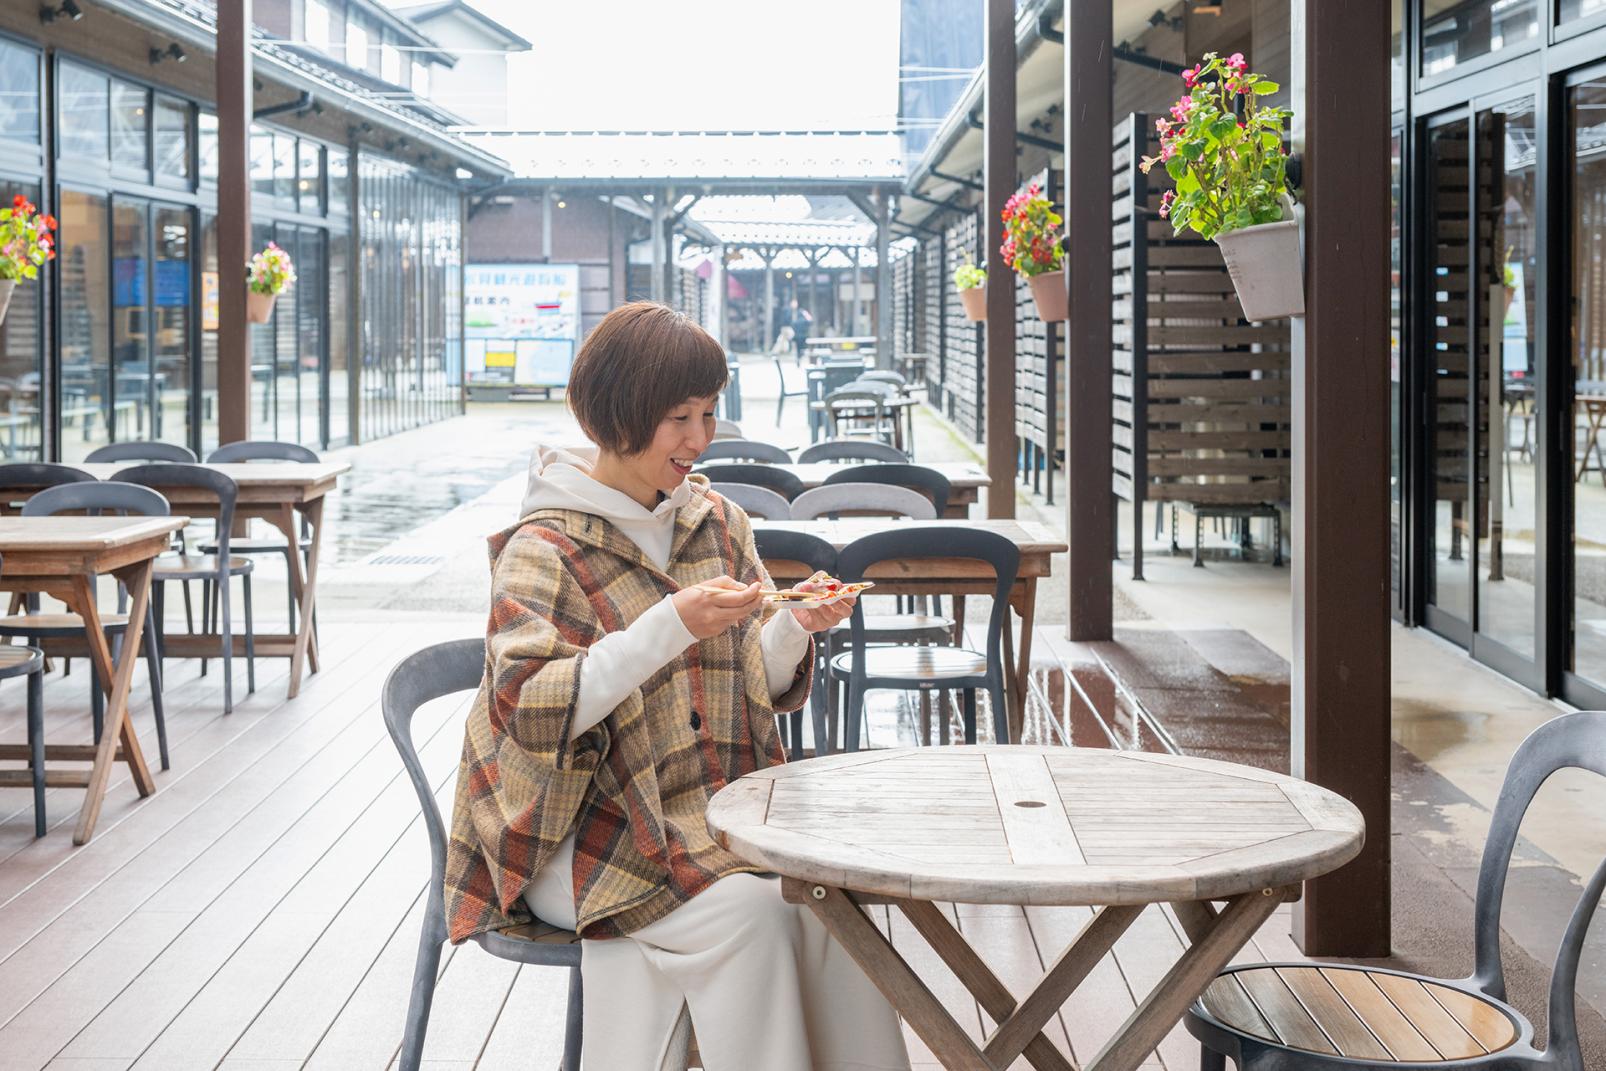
(560,478)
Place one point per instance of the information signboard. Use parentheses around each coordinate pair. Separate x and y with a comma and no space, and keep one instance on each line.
(523,324)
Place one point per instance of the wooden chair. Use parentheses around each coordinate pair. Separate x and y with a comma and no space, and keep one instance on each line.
(851,450)
(42,630)
(927,668)
(782,482)
(745,450)
(1333,1017)
(755,501)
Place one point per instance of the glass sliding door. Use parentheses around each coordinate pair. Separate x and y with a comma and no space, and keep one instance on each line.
(84,266)
(171,233)
(1447,380)
(21,341)
(1586,416)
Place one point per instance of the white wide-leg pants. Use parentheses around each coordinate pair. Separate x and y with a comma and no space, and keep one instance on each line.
(767,987)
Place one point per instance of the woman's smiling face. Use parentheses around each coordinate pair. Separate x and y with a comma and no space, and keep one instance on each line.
(682,435)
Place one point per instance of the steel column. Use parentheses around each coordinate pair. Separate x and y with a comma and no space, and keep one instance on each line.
(767,338)
(1340,730)
(1000,179)
(883,280)
(1089,501)
(234,95)
(854,321)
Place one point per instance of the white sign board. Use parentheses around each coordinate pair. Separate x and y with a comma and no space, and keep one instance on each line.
(522,324)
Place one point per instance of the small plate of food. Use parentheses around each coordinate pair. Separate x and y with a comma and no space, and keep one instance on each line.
(827,591)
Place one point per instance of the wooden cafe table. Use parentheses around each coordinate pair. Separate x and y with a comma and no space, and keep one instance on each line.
(947,576)
(965,480)
(61,557)
(276,492)
(1041,826)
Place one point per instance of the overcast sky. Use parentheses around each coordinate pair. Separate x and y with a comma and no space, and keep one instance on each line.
(701,64)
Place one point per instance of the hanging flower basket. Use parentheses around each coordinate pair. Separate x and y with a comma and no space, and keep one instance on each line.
(1265,266)
(974,302)
(266,277)
(1224,151)
(26,243)
(259,306)
(1048,293)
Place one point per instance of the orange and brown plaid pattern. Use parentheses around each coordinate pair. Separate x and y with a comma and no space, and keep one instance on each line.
(633,788)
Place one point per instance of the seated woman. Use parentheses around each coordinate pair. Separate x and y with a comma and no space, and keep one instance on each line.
(632,672)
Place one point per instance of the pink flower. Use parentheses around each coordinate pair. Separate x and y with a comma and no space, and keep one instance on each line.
(1167,152)
(1236,61)
(1189,76)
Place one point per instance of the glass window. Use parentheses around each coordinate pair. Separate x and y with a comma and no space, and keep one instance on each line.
(21,358)
(85,324)
(336,386)
(209,325)
(170,323)
(132,330)
(421,78)
(309,177)
(284,169)
(1456,31)
(261,164)
(130,147)
(1580,9)
(19,93)
(85,96)
(317,25)
(1448,376)
(339,182)
(173,138)
(1586,113)
(1396,415)
(206,123)
(356,43)
(390,64)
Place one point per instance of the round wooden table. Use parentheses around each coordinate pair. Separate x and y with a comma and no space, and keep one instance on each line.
(1118,830)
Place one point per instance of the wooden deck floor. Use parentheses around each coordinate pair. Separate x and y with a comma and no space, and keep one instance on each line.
(261,910)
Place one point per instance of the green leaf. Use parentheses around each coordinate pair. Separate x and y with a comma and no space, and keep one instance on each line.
(1191,150)
(1263,88)
(1176,167)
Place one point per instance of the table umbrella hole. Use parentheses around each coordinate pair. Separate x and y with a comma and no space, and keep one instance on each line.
(1030,803)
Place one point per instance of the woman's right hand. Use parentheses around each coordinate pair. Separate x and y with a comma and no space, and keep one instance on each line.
(709,608)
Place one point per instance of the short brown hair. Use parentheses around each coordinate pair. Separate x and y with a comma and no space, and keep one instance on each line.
(640,362)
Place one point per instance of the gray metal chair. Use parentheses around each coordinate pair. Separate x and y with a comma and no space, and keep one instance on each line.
(29,662)
(248,546)
(783,393)
(776,545)
(851,450)
(1484,1031)
(726,429)
(782,482)
(429,674)
(745,450)
(97,497)
(863,500)
(928,668)
(755,501)
(216,569)
(141,451)
(896,379)
(928,481)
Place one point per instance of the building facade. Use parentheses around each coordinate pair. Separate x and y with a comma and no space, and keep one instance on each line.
(106,122)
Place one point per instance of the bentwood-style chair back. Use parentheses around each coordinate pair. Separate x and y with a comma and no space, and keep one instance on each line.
(441,670)
(852,450)
(745,450)
(755,501)
(928,481)
(775,545)
(862,500)
(141,451)
(1486,1032)
(782,482)
(262,450)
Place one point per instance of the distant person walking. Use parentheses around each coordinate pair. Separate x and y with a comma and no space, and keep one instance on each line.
(801,321)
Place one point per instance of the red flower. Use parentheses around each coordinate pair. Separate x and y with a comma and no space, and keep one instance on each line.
(18,201)
(50,221)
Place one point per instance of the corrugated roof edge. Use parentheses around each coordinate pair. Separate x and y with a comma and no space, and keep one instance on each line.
(195,25)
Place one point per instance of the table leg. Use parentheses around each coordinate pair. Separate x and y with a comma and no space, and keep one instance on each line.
(1027,608)
(116,678)
(285,521)
(1217,941)
(309,593)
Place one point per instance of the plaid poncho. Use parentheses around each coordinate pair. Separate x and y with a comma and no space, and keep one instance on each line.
(633,789)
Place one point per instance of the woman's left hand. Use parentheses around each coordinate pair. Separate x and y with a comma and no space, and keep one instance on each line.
(821,618)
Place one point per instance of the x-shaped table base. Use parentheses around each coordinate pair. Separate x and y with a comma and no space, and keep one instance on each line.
(1215,936)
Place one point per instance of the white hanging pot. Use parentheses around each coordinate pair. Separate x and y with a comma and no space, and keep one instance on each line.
(1265,266)
(6,287)
(974,302)
(259,306)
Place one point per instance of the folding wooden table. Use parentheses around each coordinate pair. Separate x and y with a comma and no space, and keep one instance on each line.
(1007,824)
(61,557)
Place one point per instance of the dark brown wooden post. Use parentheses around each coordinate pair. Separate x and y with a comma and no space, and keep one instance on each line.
(234,219)
(999,179)
(1089,503)
(1340,578)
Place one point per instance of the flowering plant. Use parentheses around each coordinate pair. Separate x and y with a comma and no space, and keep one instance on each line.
(968,277)
(1030,245)
(270,271)
(25,241)
(1229,169)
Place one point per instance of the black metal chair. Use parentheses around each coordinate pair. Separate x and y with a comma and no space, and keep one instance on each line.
(928,481)
(431,673)
(745,450)
(249,546)
(818,555)
(1403,1019)
(782,482)
(852,450)
(214,568)
(141,451)
(38,629)
(928,668)
(755,501)
(29,662)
